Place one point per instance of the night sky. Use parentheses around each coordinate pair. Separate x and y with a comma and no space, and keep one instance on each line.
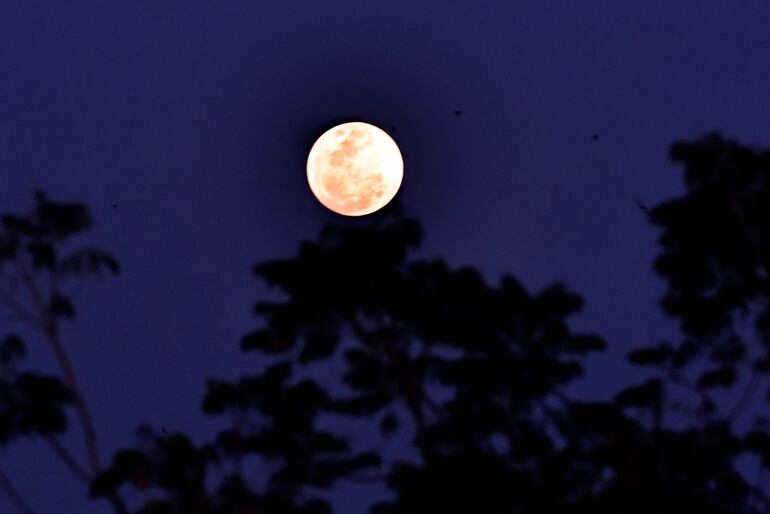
(185,125)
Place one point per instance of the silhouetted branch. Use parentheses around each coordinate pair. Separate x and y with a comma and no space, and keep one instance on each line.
(20,311)
(707,402)
(743,401)
(66,457)
(89,432)
(13,494)
(431,403)
(37,296)
(416,395)
(52,334)
(51,331)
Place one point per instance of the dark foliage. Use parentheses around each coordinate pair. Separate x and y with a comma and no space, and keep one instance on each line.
(479,374)
(31,289)
(37,269)
(30,403)
(476,375)
(31,263)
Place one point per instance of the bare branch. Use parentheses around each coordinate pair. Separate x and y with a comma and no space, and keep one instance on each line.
(707,404)
(52,334)
(744,399)
(13,494)
(66,457)
(37,296)
(89,431)
(47,324)
(21,312)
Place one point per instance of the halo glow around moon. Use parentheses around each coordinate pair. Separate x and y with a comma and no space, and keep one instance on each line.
(354,169)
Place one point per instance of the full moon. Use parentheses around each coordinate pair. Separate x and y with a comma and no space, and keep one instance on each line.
(354,169)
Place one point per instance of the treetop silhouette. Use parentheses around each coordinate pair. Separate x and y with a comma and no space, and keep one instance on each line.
(476,376)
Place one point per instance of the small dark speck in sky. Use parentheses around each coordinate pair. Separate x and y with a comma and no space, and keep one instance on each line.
(458,112)
(595,137)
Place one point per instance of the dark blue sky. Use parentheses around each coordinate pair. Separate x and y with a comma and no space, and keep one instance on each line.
(195,118)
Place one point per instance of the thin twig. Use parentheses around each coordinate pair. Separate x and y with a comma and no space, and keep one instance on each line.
(89,432)
(706,401)
(415,385)
(52,333)
(53,283)
(51,330)
(29,280)
(66,457)
(19,310)
(743,401)
(13,494)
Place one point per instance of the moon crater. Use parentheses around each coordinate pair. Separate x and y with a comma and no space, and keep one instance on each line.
(354,169)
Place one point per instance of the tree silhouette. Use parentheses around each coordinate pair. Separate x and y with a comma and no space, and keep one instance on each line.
(474,376)
(34,279)
(715,254)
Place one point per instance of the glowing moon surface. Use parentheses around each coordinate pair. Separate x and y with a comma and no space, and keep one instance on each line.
(354,169)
